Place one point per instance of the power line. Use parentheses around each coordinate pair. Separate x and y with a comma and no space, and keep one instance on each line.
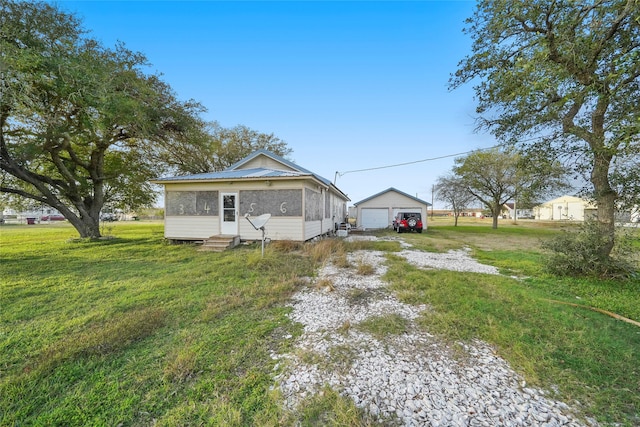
(410,163)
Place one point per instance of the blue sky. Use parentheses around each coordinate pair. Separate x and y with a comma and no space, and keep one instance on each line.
(348,85)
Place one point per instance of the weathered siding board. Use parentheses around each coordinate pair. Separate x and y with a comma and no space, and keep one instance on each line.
(274,202)
(191,227)
(313,205)
(327,204)
(276,229)
(189,203)
(197,229)
(328,225)
(312,229)
(338,209)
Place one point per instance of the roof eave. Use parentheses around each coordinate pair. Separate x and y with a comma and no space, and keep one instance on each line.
(311,177)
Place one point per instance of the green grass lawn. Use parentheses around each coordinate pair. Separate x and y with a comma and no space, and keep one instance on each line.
(134,331)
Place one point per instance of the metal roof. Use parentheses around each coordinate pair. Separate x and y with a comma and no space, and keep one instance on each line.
(235,174)
(392,189)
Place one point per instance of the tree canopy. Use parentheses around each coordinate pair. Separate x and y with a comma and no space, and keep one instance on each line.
(497,176)
(218,147)
(563,77)
(452,190)
(83,125)
(79,122)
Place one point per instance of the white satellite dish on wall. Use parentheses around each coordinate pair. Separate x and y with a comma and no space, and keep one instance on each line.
(258,223)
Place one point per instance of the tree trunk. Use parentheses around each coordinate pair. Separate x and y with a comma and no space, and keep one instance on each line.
(605,198)
(495,211)
(455,215)
(87,227)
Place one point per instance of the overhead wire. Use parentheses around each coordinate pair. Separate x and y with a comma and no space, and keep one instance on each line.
(338,173)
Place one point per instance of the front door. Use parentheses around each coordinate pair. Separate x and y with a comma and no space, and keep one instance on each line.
(229,218)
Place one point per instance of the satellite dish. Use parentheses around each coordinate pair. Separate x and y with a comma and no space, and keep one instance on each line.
(261,221)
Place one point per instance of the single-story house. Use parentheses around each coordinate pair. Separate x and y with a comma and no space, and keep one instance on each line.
(379,210)
(565,208)
(521,213)
(302,204)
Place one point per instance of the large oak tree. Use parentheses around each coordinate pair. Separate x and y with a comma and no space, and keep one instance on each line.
(81,125)
(564,75)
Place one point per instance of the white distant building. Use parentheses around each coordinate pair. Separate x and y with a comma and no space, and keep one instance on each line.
(521,213)
(569,208)
(635,214)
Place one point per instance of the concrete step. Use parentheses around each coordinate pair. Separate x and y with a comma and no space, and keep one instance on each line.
(220,243)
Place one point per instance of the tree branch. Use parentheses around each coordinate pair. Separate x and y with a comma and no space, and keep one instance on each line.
(23,194)
(568,124)
(628,9)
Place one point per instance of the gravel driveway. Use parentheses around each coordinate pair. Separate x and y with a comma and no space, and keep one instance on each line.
(411,379)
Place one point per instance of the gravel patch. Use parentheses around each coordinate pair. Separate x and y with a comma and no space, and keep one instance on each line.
(456,260)
(409,379)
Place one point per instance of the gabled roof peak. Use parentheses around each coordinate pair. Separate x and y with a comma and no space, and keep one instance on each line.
(270,154)
(392,189)
(289,164)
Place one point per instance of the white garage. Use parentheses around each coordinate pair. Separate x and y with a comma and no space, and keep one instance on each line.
(377,211)
(375,217)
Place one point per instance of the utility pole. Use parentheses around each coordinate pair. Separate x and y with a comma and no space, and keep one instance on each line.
(432,191)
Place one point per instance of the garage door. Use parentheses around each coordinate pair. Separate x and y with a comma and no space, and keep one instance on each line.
(375,218)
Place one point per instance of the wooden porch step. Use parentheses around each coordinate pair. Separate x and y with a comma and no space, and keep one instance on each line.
(220,243)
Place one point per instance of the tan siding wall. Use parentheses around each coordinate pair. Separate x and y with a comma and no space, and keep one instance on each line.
(276,229)
(191,227)
(312,229)
(197,228)
(327,225)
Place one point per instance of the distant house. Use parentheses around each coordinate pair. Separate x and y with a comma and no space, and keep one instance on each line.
(302,205)
(35,214)
(378,211)
(521,213)
(565,208)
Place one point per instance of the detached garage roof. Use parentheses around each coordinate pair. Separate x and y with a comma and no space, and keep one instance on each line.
(389,190)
